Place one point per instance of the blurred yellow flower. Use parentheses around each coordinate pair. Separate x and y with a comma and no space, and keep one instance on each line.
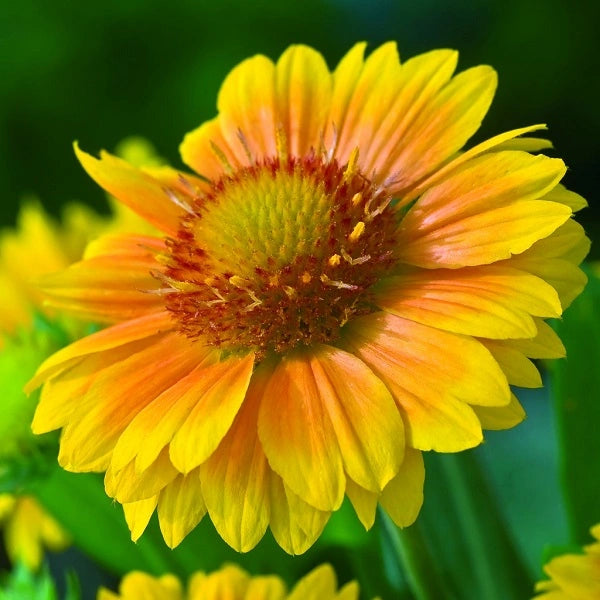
(232,583)
(37,246)
(28,529)
(341,289)
(573,576)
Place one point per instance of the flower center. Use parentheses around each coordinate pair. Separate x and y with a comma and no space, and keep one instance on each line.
(279,254)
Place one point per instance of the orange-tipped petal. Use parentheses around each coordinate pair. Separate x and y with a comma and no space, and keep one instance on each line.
(433,375)
(365,419)
(492,301)
(107,339)
(420,80)
(117,395)
(297,434)
(135,188)
(443,126)
(216,407)
(486,212)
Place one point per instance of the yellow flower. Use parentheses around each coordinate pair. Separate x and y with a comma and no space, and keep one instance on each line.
(232,583)
(37,246)
(28,529)
(573,576)
(342,289)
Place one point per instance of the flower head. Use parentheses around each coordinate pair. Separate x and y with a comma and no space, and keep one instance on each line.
(232,583)
(573,576)
(28,529)
(340,289)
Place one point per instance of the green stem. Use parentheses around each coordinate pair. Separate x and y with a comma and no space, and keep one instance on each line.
(415,558)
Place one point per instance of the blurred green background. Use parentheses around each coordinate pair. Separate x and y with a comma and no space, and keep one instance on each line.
(98,72)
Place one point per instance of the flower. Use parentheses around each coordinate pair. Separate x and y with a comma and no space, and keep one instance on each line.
(340,289)
(573,576)
(233,583)
(28,529)
(39,245)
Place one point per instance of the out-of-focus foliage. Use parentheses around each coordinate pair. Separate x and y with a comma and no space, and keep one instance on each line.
(95,73)
(576,391)
(22,584)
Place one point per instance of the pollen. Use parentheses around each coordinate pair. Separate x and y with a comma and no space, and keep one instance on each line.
(279,254)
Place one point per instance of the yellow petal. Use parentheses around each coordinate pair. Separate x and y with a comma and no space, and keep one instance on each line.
(105,289)
(457,222)
(265,588)
(567,242)
(180,507)
(107,339)
(207,152)
(433,376)
(444,125)
(566,278)
(230,582)
(419,81)
(63,395)
(295,524)
(365,419)
(403,496)
(349,592)
(524,144)
(564,196)
(363,501)
(135,188)
(491,301)
(117,394)
(137,515)
(141,585)
(211,417)
(490,145)
(235,479)
(345,78)
(126,485)
(247,108)
(482,239)
(319,584)
(297,435)
(125,244)
(501,417)
(365,90)
(546,344)
(154,426)
(303,86)
(519,370)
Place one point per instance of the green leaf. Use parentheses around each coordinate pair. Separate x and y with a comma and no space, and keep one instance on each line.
(576,389)
(461,520)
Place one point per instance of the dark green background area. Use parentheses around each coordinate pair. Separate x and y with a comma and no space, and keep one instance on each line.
(100,71)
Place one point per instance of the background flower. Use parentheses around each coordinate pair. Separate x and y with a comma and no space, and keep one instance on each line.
(573,576)
(233,583)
